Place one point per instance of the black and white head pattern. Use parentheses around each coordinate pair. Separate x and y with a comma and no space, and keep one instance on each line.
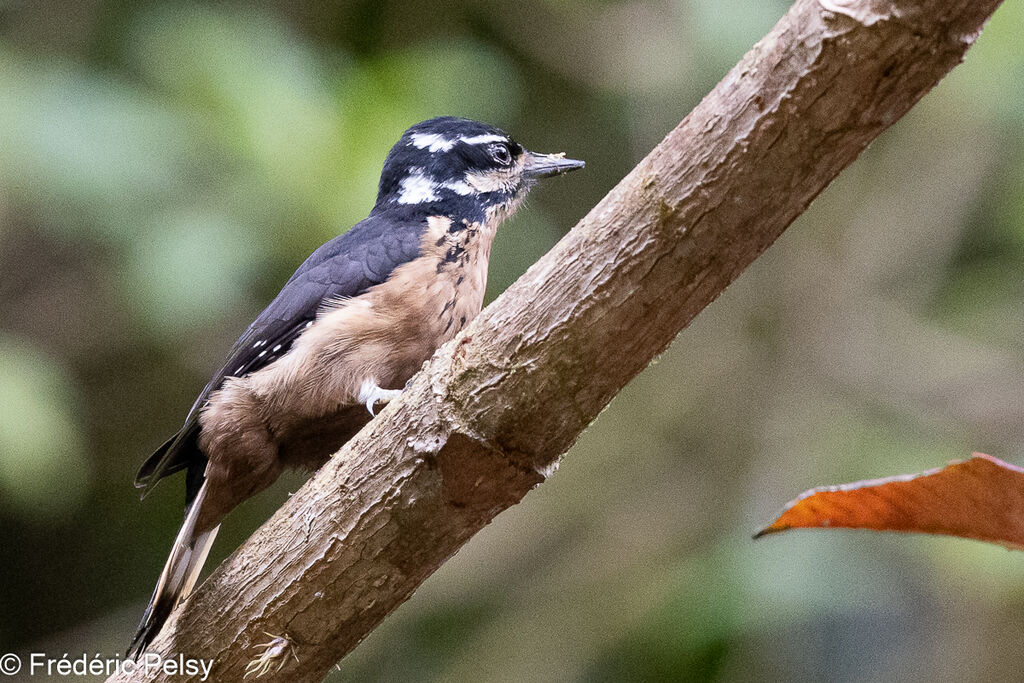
(454,162)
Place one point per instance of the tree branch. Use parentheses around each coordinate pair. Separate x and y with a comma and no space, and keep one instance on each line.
(490,414)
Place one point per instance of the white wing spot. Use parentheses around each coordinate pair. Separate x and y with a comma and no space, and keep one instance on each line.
(276,349)
(262,353)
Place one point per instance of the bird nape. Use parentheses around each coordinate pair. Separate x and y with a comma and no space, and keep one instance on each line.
(346,332)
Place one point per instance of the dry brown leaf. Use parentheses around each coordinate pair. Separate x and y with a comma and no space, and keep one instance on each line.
(980,498)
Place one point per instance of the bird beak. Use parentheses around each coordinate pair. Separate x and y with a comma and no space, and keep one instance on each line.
(547,165)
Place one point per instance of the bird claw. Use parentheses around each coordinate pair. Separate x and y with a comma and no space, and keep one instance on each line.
(370,394)
(275,649)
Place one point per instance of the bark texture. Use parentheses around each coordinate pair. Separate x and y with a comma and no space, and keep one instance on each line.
(490,415)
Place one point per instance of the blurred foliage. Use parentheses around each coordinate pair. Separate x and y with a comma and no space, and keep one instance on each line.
(164,168)
(39,437)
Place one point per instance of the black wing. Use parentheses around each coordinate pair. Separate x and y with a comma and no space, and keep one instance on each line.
(346,266)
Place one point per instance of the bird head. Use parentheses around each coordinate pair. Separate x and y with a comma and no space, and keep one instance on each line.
(459,167)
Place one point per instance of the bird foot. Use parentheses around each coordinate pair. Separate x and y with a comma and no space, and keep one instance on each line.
(370,393)
(274,650)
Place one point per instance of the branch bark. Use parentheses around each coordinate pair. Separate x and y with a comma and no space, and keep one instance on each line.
(489,416)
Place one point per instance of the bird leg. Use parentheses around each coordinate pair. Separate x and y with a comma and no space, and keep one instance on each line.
(370,393)
(276,650)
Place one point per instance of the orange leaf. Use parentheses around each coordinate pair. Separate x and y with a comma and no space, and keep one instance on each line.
(980,498)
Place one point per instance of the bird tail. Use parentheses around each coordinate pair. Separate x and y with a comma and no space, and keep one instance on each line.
(179,576)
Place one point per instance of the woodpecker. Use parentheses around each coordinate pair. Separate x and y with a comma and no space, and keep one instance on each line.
(347,331)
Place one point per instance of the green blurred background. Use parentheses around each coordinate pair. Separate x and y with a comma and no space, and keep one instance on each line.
(164,168)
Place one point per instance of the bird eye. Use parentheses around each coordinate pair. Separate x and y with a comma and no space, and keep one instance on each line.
(501,154)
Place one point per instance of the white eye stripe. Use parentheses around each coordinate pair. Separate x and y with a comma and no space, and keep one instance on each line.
(482,139)
(457,186)
(432,142)
(435,142)
(418,187)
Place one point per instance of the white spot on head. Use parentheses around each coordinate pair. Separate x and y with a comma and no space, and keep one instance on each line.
(482,139)
(417,188)
(435,142)
(432,142)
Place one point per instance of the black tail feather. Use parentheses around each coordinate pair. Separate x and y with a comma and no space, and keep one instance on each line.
(177,453)
(179,576)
